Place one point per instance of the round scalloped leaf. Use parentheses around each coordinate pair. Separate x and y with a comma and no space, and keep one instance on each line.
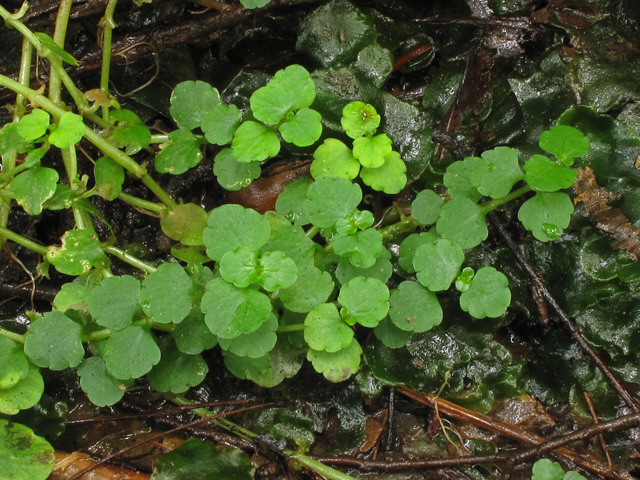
(68,131)
(324,329)
(254,142)
(230,226)
(545,175)
(390,178)
(220,124)
(102,389)
(54,341)
(545,469)
(564,142)
(331,198)
(358,220)
(109,177)
(371,152)
(251,4)
(130,131)
(414,308)
(255,344)
(166,294)
(79,252)
(366,301)
(246,367)
(488,295)
(272,102)
(546,215)
(115,301)
(176,372)
(359,119)
(276,271)
(426,207)
(14,365)
(73,296)
(24,455)
(496,172)
(303,129)
(190,101)
(284,362)
(458,180)
(390,335)
(34,125)
(292,202)
(192,335)
(293,240)
(362,248)
(334,159)
(240,266)
(232,311)
(24,394)
(462,221)
(380,270)
(337,366)
(181,153)
(409,246)
(573,475)
(311,288)
(438,264)
(233,175)
(34,187)
(185,223)
(131,352)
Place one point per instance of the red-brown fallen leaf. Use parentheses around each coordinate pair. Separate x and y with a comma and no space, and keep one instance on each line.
(608,219)
(69,464)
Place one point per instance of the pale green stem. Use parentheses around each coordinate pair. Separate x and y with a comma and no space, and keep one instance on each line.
(312,232)
(290,328)
(108,24)
(391,232)
(493,204)
(20,240)
(59,34)
(16,337)
(130,259)
(96,336)
(159,138)
(325,470)
(140,203)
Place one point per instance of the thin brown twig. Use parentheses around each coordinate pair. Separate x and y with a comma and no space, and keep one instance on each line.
(603,442)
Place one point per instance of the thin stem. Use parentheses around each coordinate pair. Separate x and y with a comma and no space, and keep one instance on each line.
(159,138)
(493,204)
(59,34)
(108,24)
(96,336)
(20,240)
(16,337)
(312,232)
(406,225)
(140,203)
(325,470)
(130,259)
(297,327)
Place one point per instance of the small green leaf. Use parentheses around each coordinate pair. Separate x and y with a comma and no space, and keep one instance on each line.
(190,101)
(254,142)
(176,372)
(371,152)
(130,132)
(79,252)
(463,282)
(24,394)
(496,172)
(220,124)
(414,308)
(251,4)
(298,81)
(438,264)
(115,301)
(102,389)
(358,220)
(390,178)
(390,335)
(545,469)
(366,300)
(488,294)
(292,201)
(54,341)
(292,239)
(276,271)
(272,102)
(359,119)
(564,142)
(462,222)
(73,296)
(546,215)
(34,187)
(180,154)
(362,248)
(458,180)
(166,294)
(240,266)
(337,366)
(311,289)
(109,177)
(61,199)
(255,344)
(185,223)
(426,207)
(284,362)
(68,131)
(14,365)
(131,352)
(246,367)
(230,226)
(34,125)
(233,175)
(50,43)
(381,270)
(303,129)
(232,311)
(573,476)
(192,335)
(409,246)
(24,455)
(334,159)
(10,139)
(324,329)
(545,175)
(331,198)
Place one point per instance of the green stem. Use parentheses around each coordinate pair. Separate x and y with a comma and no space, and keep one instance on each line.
(312,232)
(59,34)
(406,225)
(108,24)
(325,470)
(130,259)
(159,138)
(16,337)
(96,336)
(493,204)
(297,327)
(140,203)
(20,240)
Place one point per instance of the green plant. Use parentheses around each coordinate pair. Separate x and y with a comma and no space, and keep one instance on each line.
(545,469)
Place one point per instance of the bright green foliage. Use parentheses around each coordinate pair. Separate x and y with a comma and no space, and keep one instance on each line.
(390,178)
(488,295)
(414,308)
(129,132)
(74,296)
(380,270)
(68,131)
(284,362)
(438,264)
(50,43)
(324,329)
(496,172)
(34,187)
(232,311)
(546,215)
(10,139)
(165,295)
(545,469)
(358,220)
(311,288)
(185,223)
(359,119)
(463,282)
(545,175)
(462,222)
(337,366)
(34,125)
(365,301)
(302,129)
(426,207)
(573,476)
(131,352)
(55,342)
(331,198)
(62,198)
(102,388)
(251,4)
(362,248)
(390,335)
(14,365)
(565,143)
(334,159)
(176,372)
(109,177)
(371,152)
(458,180)
(24,394)
(276,271)
(240,266)
(409,246)
(190,101)
(192,335)
(231,174)
(24,455)
(246,367)
(230,226)
(255,344)
(181,153)
(292,201)
(115,301)
(79,252)
(292,239)
(220,124)
(254,142)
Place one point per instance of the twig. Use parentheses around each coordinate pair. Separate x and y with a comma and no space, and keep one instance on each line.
(603,442)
